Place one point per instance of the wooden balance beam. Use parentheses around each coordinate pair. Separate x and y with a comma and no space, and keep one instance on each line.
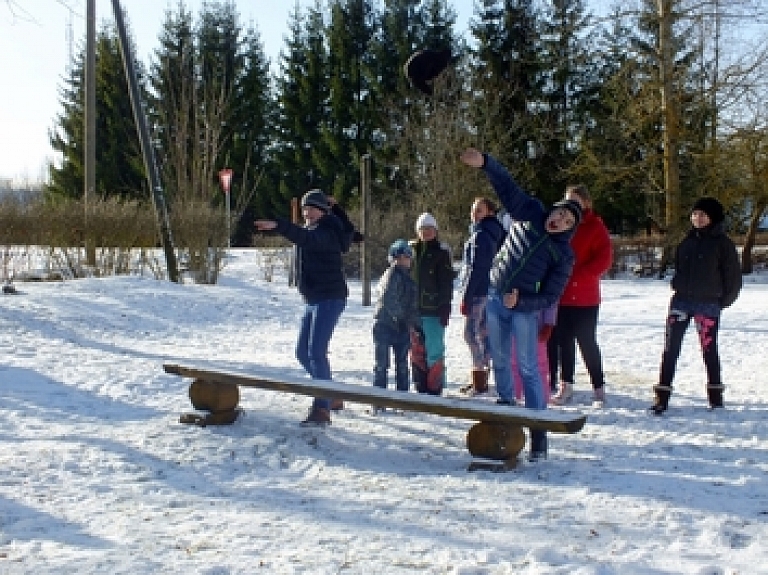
(498,435)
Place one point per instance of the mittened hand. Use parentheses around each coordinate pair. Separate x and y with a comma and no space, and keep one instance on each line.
(444,311)
(463,309)
(545,332)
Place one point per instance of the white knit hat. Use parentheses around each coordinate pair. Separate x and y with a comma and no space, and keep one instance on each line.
(426,220)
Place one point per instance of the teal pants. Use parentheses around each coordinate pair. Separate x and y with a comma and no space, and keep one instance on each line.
(434,342)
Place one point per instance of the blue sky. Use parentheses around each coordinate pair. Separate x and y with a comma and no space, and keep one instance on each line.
(34,54)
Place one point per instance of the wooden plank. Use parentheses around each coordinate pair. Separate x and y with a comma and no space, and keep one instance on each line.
(475,410)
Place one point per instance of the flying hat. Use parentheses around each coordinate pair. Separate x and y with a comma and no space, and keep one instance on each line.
(424,66)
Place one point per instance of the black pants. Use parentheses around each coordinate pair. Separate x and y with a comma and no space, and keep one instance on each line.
(677,325)
(575,325)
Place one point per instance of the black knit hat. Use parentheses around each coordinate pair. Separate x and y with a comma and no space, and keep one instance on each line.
(572,206)
(424,66)
(711,207)
(317,199)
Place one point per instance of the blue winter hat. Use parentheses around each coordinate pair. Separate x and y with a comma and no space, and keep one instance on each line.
(399,248)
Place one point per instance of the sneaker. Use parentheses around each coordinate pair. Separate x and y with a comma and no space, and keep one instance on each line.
(564,394)
(598,398)
(501,401)
(318,417)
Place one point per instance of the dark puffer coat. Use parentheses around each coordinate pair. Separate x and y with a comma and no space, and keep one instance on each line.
(479,250)
(533,261)
(707,267)
(320,270)
(433,273)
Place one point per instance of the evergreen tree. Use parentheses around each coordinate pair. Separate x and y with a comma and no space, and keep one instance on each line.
(172,103)
(119,164)
(617,154)
(508,81)
(348,126)
(301,95)
(213,109)
(253,120)
(570,85)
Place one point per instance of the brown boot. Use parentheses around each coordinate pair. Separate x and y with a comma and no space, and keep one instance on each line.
(435,378)
(480,380)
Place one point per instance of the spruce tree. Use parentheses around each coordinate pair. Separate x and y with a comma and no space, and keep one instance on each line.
(119,165)
(508,81)
(301,92)
(568,93)
(348,126)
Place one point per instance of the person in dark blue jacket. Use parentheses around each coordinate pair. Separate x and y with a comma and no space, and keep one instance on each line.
(485,239)
(528,274)
(326,235)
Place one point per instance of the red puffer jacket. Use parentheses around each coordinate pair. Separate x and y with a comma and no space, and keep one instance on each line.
(592,245)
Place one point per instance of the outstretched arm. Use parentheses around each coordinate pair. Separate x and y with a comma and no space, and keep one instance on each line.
(265,225)
(520,205)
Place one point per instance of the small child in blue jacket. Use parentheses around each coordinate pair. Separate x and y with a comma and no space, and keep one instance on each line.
(397,313)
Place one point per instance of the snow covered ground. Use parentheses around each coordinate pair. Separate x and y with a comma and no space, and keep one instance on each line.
(98,476)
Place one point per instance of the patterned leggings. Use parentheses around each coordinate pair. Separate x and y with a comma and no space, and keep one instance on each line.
(476,334)
(677,324)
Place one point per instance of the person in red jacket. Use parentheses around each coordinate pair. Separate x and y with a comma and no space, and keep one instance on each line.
(580,304)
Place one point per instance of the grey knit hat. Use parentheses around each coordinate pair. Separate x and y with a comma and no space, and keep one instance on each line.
(317,199)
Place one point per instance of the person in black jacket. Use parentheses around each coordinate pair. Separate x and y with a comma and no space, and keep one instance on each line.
(326,235)
(707,280)
(432,270)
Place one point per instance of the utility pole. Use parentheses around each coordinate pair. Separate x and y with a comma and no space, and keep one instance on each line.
(670,106)
(150,165)
(90,124)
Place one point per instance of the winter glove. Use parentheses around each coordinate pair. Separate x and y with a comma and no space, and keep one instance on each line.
(444,311)
(357,237)
(545,332)
(463,309)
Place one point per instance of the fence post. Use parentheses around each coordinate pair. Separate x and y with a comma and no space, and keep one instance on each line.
(365,204)
(292,271)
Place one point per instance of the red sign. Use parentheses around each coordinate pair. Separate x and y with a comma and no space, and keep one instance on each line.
(225,179)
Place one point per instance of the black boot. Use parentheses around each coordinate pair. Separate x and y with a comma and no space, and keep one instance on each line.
(661,401)
(715,395)
(538,450)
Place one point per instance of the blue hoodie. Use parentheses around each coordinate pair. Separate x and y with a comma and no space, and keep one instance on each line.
(479,250)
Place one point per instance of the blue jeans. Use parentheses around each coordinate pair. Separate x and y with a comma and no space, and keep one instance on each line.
(399,341)
(317,327)
(504,324)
